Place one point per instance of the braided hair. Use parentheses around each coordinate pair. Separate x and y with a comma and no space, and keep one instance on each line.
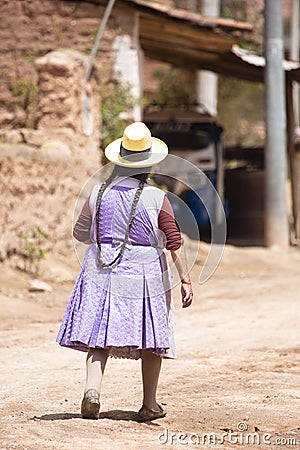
(117,171)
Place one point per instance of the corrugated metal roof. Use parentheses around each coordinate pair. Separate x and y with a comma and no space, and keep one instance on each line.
(253,60)
(191,17)
(257,60)
(190,40)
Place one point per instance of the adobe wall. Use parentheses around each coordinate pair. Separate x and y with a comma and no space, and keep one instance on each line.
(32,28)
(43,169)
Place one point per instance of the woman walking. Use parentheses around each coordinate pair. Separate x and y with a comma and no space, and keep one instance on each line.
(121,304)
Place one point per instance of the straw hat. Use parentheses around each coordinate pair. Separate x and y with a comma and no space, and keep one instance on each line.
(137,148)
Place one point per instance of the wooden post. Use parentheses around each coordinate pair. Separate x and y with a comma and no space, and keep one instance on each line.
(293,165)
(296,187)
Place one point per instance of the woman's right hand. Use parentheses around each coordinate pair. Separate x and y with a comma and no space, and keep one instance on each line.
(186,294)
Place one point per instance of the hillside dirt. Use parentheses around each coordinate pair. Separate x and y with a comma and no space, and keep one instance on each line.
(237,366)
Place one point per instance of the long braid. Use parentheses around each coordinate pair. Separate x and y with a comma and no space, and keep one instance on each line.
(138,193)
(104,185)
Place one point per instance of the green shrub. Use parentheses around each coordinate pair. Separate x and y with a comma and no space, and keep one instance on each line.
(241,111)
(27,91)
(175,87)
(32,251)
(116,99)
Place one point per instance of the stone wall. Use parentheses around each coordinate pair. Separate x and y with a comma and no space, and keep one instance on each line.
(39,189)
(32,28)
(63,122)
(45,157)
(68,107)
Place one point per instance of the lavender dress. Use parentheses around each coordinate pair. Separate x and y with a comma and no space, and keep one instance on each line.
(127,307)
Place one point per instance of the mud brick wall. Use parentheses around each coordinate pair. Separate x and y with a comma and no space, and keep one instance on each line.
(40,173)
(32,28)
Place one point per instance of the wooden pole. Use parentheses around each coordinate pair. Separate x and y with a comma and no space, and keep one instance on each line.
(290,114)
(296,188)
(293,121)
(294,53)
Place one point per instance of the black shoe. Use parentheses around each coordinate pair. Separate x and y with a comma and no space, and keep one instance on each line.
(146,413)
(90,405)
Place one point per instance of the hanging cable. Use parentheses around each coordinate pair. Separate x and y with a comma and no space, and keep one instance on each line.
(88,122)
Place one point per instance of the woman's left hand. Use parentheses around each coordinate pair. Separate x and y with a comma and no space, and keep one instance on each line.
(186,294)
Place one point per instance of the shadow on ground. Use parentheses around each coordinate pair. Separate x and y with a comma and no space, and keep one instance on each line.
(115,414)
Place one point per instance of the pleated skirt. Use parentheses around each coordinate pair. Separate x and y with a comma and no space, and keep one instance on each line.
(126,308)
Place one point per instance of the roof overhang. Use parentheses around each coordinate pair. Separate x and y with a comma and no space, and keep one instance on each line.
(189,40)
(253,65)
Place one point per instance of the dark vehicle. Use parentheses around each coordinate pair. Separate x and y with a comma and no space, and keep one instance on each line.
(196,138)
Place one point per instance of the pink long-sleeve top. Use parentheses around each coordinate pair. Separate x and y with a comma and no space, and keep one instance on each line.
(166,223)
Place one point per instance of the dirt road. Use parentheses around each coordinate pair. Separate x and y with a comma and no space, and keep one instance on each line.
(237,366)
